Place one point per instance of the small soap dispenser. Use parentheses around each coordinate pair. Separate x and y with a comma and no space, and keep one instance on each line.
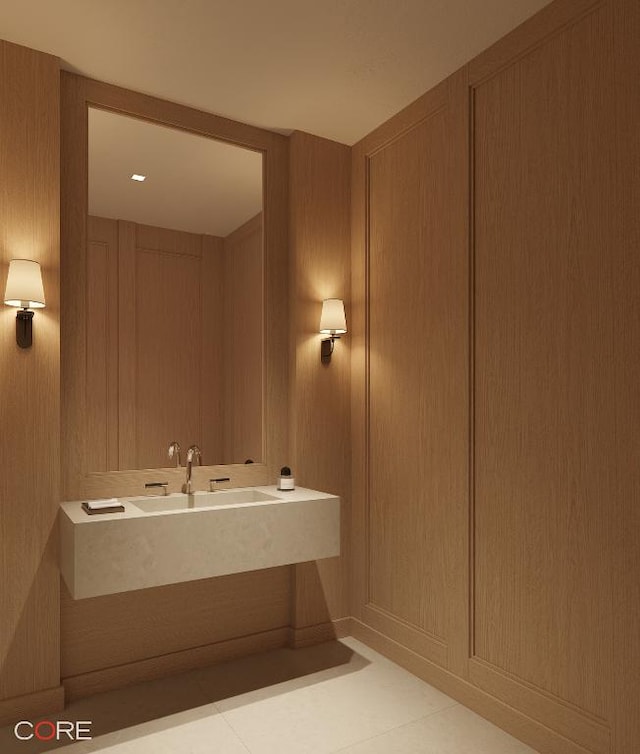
(286,481)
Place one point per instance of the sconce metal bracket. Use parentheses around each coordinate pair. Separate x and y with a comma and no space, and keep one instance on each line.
(326,348)
(24,328)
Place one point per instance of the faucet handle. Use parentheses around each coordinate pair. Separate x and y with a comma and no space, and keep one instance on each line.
(174,450)
(213,482)
(194,452)
(157,485)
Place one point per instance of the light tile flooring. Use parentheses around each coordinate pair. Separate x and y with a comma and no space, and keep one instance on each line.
(336,697)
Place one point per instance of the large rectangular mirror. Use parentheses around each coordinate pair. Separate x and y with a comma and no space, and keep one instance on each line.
(174,305)
(174,296)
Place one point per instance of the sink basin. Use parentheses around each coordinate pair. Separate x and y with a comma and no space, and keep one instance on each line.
(202,500)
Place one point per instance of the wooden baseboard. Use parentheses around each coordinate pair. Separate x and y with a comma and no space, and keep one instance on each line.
(150,669)
(570,721)
(307,636)
(342,627)
(523,727)
(31,706)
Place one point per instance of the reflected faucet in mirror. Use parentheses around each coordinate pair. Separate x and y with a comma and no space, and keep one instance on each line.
(193,452)
(174,451)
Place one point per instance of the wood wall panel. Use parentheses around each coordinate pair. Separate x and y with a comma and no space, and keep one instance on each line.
(242,341)
(625,510)
(544,358)
(154,622)
(549,647)
(413,350)
(213,357)
(320,450)
(29,387)
(152,341)
(102,344)
(168,348)
(412,503)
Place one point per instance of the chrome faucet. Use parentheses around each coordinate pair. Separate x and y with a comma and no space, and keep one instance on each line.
(193,452)
(174,450)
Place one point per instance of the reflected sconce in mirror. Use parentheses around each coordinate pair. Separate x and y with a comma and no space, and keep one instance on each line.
(333,323)
(24,290)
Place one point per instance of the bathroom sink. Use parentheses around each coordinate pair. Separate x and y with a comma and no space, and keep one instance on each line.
(169,539)
(202,500)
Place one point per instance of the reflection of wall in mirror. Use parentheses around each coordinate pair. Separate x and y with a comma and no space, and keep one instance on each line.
(174,344)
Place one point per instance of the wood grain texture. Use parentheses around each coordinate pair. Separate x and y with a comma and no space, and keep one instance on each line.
(150,623)
(140,671)
(167,336)
(242,343)
(320,453)
(102,343)
(547,22)
(567,719)
(556,526)
(411,400)
(127,356)
(31,706)
(625,511)
(545,436)
(168,330)
(29,380)
(358,567)
(213,357)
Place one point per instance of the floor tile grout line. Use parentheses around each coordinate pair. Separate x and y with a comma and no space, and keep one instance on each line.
(235,731)
(395,727)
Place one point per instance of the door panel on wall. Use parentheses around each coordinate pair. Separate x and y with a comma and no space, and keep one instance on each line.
(417,403)
(544,399)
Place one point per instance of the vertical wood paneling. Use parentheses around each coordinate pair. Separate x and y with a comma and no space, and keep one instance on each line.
(241,340)
(555,560)
(163,321)
(29,383)
(127,347)
(168,332)
(213,356)
(98,355)
(544,390)
(155,622)
(102,344)
(411,394)
(625,510)
(411,574)
(320,451)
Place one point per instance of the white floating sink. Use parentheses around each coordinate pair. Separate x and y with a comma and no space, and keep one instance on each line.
(174,538)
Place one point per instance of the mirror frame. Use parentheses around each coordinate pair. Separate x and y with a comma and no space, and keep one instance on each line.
(78,94)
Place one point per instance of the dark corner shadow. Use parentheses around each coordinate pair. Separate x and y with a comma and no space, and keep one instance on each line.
(188,694)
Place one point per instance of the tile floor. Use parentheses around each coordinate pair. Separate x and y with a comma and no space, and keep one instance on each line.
(336,697)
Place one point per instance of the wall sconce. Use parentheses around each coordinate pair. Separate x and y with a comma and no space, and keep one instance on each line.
(24,289)
(333,322)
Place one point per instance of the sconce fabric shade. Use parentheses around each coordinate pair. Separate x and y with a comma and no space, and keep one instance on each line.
(333,320)
(24,285)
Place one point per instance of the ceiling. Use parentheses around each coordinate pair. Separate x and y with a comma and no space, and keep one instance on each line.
(335,68)
(192,183)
